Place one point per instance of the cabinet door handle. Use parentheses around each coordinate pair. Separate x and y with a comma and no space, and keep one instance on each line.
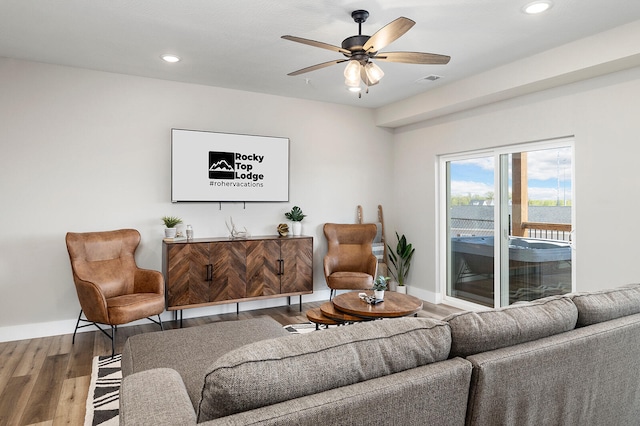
(209,272)
(281,266)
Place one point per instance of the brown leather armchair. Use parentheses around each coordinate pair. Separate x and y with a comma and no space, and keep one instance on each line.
(112,290)
(349,263)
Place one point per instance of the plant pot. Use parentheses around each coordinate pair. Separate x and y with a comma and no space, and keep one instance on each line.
(170,232)
(378,294)
(296,227)
(402,289)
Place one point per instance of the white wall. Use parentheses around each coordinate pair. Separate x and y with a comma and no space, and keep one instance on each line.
(87,151)
(602,113)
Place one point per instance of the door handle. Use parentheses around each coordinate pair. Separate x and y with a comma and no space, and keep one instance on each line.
(209,272)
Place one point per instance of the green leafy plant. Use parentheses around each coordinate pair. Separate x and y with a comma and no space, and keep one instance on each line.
(295,214)
(171,221)
(401,259)
(380,283)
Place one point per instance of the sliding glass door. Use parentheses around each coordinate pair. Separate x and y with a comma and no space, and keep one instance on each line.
(506,223)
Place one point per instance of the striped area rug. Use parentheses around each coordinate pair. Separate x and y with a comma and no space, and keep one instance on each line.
(104,391)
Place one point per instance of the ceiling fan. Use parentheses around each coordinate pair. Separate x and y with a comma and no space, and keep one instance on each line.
(360,49)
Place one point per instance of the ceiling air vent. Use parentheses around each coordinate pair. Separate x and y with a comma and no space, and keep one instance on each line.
(428,78)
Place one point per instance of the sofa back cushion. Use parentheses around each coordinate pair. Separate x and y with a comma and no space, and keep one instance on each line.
(276,370)
(605,305)
(474,332)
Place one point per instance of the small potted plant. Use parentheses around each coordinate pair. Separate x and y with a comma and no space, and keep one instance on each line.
(170,222)
(379,286)
(401,262)
(295,216)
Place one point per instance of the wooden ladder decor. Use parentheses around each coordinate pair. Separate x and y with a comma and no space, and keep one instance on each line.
(383,263)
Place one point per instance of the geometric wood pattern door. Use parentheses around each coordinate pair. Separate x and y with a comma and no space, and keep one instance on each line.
(186,271)
(297,259)
(263,268)
(228,275)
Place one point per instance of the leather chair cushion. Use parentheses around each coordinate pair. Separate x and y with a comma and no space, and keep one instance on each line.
(350,280)
(131,307)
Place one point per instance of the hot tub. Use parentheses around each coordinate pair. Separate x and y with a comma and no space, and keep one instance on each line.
(530,259)
(521,249)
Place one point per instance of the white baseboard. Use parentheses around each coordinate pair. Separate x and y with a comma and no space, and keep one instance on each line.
(56,328)
(426,295)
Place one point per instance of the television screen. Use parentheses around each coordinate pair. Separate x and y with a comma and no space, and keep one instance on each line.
(210,166)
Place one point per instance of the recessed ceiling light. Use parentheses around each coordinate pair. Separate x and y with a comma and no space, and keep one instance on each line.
(537,7)
(354,88)
(170,58)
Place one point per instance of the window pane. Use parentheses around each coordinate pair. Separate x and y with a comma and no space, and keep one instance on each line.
(539,250)
(470,207)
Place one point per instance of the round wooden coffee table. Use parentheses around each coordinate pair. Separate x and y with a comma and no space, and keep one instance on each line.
(395,305)
(329,310)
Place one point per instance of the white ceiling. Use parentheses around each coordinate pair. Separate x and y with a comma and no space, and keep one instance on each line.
(236,44)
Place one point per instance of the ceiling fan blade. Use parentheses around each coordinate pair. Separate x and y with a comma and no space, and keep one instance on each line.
(317,67)
(388,34)
(316,44)
(413,58)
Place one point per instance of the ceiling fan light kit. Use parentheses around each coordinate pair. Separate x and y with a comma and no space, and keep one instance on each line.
(352,72)
(360,50)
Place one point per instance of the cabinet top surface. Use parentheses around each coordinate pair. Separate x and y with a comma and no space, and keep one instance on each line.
(227,239)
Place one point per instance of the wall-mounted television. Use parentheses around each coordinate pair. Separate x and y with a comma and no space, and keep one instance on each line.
(210,166)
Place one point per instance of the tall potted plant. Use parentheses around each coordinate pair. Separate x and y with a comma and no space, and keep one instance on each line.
(296,216)
(401,262)
(170,222)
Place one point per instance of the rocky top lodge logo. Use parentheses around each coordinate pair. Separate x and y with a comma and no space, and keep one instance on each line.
(234,166)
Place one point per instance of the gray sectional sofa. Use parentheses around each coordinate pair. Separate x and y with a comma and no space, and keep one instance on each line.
(570,360)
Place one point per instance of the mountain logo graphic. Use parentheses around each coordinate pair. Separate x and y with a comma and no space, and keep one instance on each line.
(221,165)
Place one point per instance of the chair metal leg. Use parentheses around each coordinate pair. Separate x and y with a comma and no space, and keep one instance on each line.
(114,329)
(73,341)
(113,340)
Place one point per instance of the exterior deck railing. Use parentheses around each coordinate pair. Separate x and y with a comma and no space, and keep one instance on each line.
(550,231)
(476,227)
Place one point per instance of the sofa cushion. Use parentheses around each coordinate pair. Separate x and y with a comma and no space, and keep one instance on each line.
(191,350)
(474,332)
(599,306)
(276,370)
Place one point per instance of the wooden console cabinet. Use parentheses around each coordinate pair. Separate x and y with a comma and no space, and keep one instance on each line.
(212,271)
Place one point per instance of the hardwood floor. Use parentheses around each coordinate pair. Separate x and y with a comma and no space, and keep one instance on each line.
(45,381)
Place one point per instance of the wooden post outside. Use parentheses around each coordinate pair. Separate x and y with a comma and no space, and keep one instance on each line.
(520,196)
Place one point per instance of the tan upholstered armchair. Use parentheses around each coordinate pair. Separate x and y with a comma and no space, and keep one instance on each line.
(349,263)
(112,290)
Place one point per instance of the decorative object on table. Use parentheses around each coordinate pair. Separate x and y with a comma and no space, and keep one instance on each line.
(170,222)
(296,216)
(401,262)
(371,300)
(379,286)
(233,231)
(189,232)
(283,229)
